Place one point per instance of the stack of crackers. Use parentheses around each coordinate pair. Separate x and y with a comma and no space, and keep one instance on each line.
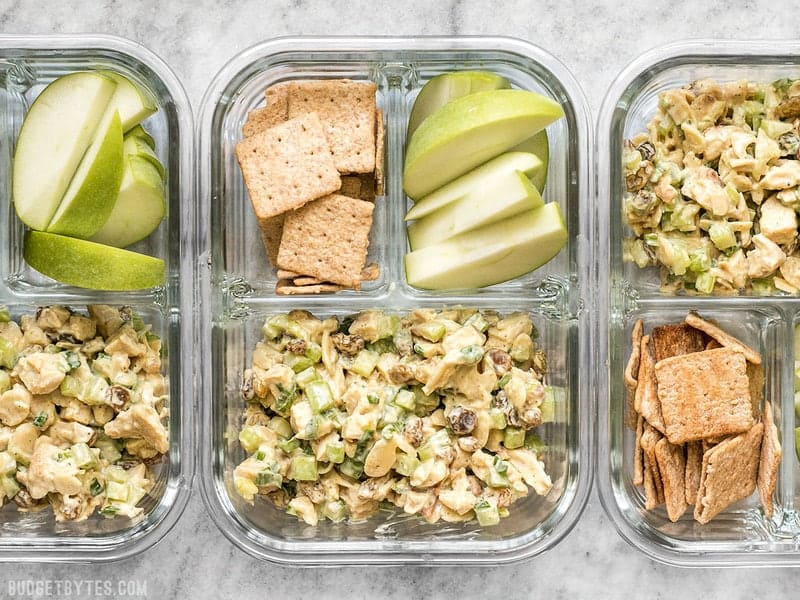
(695,393)
(312,162)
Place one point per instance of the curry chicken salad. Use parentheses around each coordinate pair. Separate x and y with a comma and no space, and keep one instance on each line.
(712,188)
(82,410)
(432,413)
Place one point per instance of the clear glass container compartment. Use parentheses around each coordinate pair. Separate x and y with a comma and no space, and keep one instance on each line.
(27,65)
(741,534)
(239,283)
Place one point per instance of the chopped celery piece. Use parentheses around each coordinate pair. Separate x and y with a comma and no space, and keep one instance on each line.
(391,414)
(297,362)
(513,437)
(365,363)
(496,479)
(533,443)
(498,417)
(433,331)
(96,488)
(94,392)
(10,486)
(387,325)
(405,399)
(303,468)
(251,438)
(108,449)
(5,316)
(71,387)
(270,477)
(705,283)
(135,494)
(313,352)
(434,445)
(722,235)
(84,457)
(280,426)
(286,396)
(699,260)
(382,346)
(290,445)
(362,447)
(335,510)
(424,404)
(5,381)
(405,464)
(521,349)
(486,513)
(117,491)
(552,396)
(115,473)
(478,321)
(7,464)
(775,129)
(8,353)
(303,378)
(270,330)
(334,452)
(319,395)
(351,468)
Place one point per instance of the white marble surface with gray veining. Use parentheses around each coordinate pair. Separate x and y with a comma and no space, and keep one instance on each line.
(595,40)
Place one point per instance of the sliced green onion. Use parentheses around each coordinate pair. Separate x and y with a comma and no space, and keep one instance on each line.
(95,488)
(40,420)
(286,396)
(373,399)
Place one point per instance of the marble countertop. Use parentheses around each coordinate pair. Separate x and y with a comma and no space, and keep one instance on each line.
(595,40)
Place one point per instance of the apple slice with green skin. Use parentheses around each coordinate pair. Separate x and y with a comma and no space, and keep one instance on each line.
(540,146)
(135,146)
(498,199)
(56,132)
(446,87)
(139,208)
(132,102)
(492,254)
(141,133)
(457,189)
(468,131)
(89,265)
(93,190)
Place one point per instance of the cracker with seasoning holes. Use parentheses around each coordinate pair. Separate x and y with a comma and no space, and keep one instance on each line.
(287,166)
(769,461)
(328,239)
(346,110)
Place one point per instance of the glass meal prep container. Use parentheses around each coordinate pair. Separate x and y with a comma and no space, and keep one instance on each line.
(741,534)
(239,283)
(27,64)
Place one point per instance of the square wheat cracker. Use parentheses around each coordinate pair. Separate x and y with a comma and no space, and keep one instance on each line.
(704,395)
(722,337)
(769,461)
(638,459)
(672,466)
(287,166)
(694,465)
(646,399)
(650,437)
(730,471)
(347,112)
(631,374)
(380,153)
(328,239)
(271,232)
(675,339)
(261,119)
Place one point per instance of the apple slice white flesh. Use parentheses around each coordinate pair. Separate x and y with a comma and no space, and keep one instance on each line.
(469,131)
(528,163)
(133,103)
(141,133)
(56,132)
(88,265)
(540,146)
(492,254)
(92,192)
(135,146)
(495,200)
(446,87)
(139,208)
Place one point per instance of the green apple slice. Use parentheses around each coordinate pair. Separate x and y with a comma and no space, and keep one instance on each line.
(58,129)
(491,254)
(469,131)
(498,199)
(538,145)
(528,163)
(446,87)
(93,190)
(141,133)
(132,102)
(89,265)
(140,206)
(135,146)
